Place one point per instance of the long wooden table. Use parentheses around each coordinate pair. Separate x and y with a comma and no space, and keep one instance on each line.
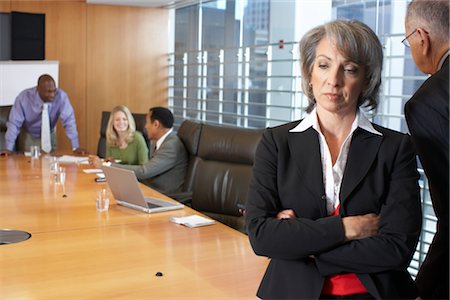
(77,252)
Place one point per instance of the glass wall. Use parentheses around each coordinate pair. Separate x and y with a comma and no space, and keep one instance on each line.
(236,63)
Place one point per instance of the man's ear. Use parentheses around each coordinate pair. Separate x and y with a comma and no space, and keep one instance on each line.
(425,41)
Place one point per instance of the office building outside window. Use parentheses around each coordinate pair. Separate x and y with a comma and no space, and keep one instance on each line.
(236,63)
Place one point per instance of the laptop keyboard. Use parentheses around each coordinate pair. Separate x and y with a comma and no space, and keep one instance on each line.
(151,205)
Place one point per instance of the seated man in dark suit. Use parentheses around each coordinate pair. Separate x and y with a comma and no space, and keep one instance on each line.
(166,169)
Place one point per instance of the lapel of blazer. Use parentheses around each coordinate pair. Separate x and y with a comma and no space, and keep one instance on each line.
(305,151)
(363,151)
(153,143)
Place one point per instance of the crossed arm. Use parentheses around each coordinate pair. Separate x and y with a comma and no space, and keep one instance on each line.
(355,227)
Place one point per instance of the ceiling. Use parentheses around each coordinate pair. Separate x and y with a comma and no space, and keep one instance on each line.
(148,3)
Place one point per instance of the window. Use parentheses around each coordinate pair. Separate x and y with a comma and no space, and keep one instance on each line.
(236,63)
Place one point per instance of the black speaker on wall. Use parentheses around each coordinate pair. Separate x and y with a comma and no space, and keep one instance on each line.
(5,36)
(27,36)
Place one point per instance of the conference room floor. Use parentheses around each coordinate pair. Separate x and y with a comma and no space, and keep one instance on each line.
(77,252)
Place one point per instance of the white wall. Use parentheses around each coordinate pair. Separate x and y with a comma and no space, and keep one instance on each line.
(15,76)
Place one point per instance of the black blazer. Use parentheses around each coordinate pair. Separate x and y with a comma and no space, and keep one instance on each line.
(427,117)
(380,177)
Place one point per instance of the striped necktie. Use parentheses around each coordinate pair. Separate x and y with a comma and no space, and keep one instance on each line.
(46,144)
(153,149)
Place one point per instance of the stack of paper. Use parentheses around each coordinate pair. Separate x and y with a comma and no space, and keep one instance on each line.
(74,159)
(92,171)
(98,172)
(192,221)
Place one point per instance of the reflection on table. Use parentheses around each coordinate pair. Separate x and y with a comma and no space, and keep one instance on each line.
(77,252)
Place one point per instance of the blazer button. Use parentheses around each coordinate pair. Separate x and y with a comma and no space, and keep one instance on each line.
(324,197)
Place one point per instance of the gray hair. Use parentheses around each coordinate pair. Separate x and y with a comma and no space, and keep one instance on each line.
(357,43)
(433,16)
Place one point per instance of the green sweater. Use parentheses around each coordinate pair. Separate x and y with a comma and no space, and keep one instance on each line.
(136,153)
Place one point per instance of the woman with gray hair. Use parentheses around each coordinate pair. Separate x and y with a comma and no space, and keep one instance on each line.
(334,199)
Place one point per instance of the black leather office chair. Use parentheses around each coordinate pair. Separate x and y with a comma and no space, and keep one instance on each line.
(4,115)
(139,119)
(189,133)
(219,169)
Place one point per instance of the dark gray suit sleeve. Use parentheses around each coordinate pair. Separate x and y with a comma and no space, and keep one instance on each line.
(427,115)
(165,158)
(428,122)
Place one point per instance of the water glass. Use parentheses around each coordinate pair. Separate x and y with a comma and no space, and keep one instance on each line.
(102,201)
(35,152)
(53,165)
(60,176)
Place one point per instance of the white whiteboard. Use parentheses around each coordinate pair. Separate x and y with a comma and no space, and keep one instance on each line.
(15,76)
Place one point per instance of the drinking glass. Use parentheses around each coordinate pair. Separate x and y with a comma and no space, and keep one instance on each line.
(35,152)
(60,176)
(102,201)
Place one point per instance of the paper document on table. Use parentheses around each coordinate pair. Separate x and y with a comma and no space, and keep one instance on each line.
(92,171)
(74,159)
(192,221)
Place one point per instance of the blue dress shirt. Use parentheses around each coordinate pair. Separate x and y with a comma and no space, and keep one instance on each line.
(26,112)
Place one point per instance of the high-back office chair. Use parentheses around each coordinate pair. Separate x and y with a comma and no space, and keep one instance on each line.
(220,168)
(189,133)
(139,119)
(4,115)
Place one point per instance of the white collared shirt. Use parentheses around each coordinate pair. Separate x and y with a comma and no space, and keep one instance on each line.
(162,139)
(333,174)
(441,62)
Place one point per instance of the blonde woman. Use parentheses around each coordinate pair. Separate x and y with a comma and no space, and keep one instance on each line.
(123,143)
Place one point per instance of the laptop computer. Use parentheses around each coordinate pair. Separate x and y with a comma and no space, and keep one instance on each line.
(125,188)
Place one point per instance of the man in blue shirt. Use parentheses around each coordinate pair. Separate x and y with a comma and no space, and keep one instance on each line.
(27,113)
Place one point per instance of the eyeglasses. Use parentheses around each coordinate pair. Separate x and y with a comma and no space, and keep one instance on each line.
(405,40)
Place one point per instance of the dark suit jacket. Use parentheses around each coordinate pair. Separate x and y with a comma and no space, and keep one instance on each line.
(380,177)
(427,117)
(166,170)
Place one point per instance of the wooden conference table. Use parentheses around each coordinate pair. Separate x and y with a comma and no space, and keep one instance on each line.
(77,252)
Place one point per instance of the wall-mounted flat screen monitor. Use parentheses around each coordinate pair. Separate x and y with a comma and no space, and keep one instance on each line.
(27,36)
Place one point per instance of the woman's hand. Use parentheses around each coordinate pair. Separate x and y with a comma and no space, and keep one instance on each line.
(95,161)
(360,227)
(355,227)
(286,214)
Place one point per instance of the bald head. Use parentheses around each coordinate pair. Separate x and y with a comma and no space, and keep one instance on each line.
(46,88)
